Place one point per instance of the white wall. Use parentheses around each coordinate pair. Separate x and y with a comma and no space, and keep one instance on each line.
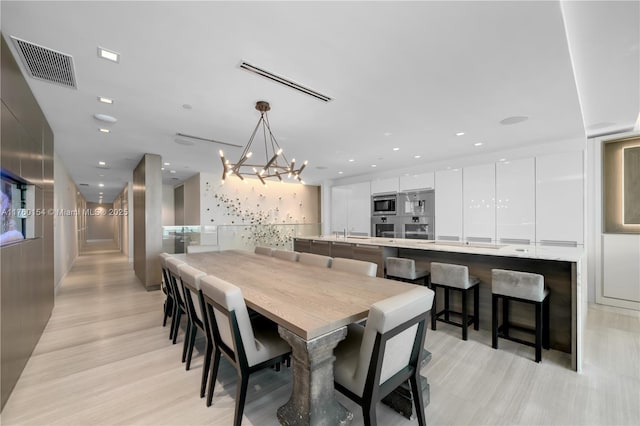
(168,211)
(65,237)
(248,202)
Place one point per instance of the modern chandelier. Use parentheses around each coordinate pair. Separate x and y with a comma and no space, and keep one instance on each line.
(275,163)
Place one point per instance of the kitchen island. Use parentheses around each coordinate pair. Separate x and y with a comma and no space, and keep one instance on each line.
(562,268)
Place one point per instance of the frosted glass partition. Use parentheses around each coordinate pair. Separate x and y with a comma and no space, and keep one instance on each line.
(176,239)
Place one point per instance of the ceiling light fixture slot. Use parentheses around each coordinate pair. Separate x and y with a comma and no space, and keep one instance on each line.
(46,64)
(198,138)
(284,81)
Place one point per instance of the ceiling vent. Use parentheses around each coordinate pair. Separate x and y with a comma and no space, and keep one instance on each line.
(281,80)
(46,64)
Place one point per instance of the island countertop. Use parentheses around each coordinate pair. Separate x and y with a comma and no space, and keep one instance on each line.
(567,254)
(564,269)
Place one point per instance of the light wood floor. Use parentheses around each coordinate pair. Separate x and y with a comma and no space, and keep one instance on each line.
(105,359)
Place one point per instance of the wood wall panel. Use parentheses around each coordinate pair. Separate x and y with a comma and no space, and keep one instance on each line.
(27,282)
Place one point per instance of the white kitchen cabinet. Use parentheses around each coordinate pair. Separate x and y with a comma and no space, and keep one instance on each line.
(351,208)
(448,204)
(382,186)
(516,201)
(560,198)
(479,196)
(339,207)
(359,209)
(411,182)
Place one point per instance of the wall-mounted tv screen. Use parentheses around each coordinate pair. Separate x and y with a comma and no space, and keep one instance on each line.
(13,202)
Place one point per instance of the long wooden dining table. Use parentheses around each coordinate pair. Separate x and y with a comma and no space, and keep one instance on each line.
(312,307)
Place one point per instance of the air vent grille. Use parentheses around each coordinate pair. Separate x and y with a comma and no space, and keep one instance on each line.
(281,80)
(46,64)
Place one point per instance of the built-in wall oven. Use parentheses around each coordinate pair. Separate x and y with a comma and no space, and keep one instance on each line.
(416,214)
(417,228)
(385,227)
(384,205)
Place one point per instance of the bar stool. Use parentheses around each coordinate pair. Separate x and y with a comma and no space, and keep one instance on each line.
(455,277)
(522,287)
(403,269)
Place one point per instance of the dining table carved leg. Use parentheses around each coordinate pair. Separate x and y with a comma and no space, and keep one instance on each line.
(313,400)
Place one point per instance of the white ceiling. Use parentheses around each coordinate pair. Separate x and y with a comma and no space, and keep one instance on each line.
(407,75)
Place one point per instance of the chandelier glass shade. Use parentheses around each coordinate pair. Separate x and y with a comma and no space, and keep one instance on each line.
(275,165)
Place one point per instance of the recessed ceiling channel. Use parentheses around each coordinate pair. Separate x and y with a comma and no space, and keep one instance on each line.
(284,81)
(46,64)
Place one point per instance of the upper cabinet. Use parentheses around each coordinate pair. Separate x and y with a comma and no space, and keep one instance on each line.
(479,195)
(351,208)
(448,224)
(382,186)
(339,207)
(516,201)
(417,181)
(560,198)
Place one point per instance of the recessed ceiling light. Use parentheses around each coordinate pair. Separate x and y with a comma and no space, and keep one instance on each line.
(396,149)
(105,117)
(514,120)
(351,160)
(460,134)
(101,185)
(340,172)
(108,54)
(388,133)
(101,163)
(416,156)
(167,164)
(105,100)
(477,144)
(103,130)
(161,168)
(502,159)
(100,193)
(374,165)
(172,171)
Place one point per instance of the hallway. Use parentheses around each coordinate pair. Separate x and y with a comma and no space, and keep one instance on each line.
(105,359)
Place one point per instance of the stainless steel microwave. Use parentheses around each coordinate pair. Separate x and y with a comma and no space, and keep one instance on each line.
(384,205)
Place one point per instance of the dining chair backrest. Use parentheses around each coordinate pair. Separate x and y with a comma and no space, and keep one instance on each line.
(291,256)
(266,251)
(190,278)
(229,319)
(314,259)
(354,266)
(397,326)
(173,266)
(163,264)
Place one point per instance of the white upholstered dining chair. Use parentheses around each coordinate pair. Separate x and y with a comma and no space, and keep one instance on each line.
(374,360)
(248,344)
(314,259)
(265,251)
(166,288)
(354,266)
(291,256)
(190,279)
(179,308)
